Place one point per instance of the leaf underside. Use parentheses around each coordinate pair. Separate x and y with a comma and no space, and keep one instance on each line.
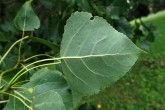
(94,54)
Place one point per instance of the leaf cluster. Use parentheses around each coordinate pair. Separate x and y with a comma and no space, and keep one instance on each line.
(74,56)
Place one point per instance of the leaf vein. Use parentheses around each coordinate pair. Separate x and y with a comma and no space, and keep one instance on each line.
(78,30)
(111,66)
(96,44)
(75,74)
(102,55)
(91,69)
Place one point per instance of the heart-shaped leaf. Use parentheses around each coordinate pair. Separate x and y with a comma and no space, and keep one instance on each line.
(94,55)
(26,19)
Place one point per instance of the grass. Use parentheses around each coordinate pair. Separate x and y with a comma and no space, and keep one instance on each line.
(158,46)
(144,86)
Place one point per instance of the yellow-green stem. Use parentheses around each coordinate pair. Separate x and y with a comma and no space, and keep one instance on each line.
(4,56)
(21,95)
(29,66)
(4,101)
(34,68)
(20,46)
(4,72)
(17,76)
(39,55)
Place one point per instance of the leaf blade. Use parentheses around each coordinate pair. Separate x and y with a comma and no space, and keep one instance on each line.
(94,55)
(26,19)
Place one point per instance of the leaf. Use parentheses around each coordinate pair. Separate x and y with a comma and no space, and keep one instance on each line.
(49,100)
(124,27)
(26,19)
(117,8)
(94,55)
(9,62)
(84,4)
(45,83)
(8,26)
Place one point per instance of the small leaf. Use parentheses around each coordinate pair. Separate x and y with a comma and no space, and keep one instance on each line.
(26,19)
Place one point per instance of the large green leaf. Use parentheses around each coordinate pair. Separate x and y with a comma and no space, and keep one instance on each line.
(46,89)
(26,19)
(94,55)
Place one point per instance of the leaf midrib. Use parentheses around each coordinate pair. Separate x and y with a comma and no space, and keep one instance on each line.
(24,25)
(91,56)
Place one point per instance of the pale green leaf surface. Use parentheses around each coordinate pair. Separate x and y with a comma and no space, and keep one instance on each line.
(49,100)
(94,55)
(26,19)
